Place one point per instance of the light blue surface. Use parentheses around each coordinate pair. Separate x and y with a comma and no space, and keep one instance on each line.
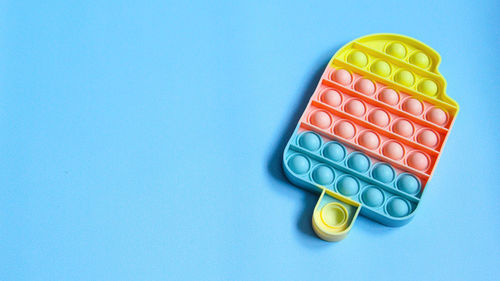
(143,141)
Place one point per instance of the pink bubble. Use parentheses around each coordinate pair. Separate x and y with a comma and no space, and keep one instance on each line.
(437,116)
(393,150)
(413,106)
(365,86)
(331,97)
(389,96)
(403,127)
(379,118)
(345,129)
(355,107)
(428,138)
(369,140)
(342,76)
(321,119)
(418,160)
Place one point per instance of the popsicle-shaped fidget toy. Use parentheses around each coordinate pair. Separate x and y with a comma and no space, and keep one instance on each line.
(372,133)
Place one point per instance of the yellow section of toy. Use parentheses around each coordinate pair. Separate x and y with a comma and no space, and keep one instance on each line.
(334,215)
(403,62)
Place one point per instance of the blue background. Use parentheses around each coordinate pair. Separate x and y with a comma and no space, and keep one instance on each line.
(142,140)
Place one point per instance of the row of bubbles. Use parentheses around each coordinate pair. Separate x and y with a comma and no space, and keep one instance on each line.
(357,161)
(372,140)
(351,186)
(388,96)
(384,69)
(417,58)
(377,116)
(395,49)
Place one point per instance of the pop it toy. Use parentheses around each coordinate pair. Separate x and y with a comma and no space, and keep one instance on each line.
(372,133)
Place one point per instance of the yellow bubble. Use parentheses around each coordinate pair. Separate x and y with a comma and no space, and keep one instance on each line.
(381,68)
(428,87)
(404,77)
(334,215)
(396,50)
(419,59)
(357,58)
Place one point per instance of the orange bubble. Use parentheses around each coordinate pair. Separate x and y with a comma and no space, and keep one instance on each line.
(393,150)
(321,119)
(345,129)
(389,96)
(331,97)
(355,107)
(379,118)
(342,76)
(369,140)
(413,106)
(437,116)
(365,86)
(428,138)
(418,160)
(403,127)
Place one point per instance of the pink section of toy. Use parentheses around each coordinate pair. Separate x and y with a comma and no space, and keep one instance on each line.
(388,125)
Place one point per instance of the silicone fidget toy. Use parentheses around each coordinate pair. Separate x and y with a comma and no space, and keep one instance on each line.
(372,133)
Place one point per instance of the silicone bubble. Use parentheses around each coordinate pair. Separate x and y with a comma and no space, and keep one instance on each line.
(396,50)
(342,76)
(365,86)
(428,87)
(379,118)
(345,129)
(358,162)
(357,58)
(393,150)
(369,140)
(348,186)
(413,106)
(383,173)
(331,97)
(310,141)
(355,107)
(323,175)
(321,119)
(389,96)
(408,183)
(398,207)
(334,151)
(334,215)
(418,160)
(381,68)
(372,197)
(419,59)
(299,164)
(427,137)
(403,127)
(436,116)
(404,77)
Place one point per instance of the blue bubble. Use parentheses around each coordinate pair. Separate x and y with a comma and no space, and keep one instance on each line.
(398,207)
(358,162)
(408,184)
(372,197)
(348,186)
(299,164)
(383,173)
(310,141)
(334,151)
(323,175)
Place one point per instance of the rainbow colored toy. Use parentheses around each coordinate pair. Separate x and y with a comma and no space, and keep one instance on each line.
(372,133)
